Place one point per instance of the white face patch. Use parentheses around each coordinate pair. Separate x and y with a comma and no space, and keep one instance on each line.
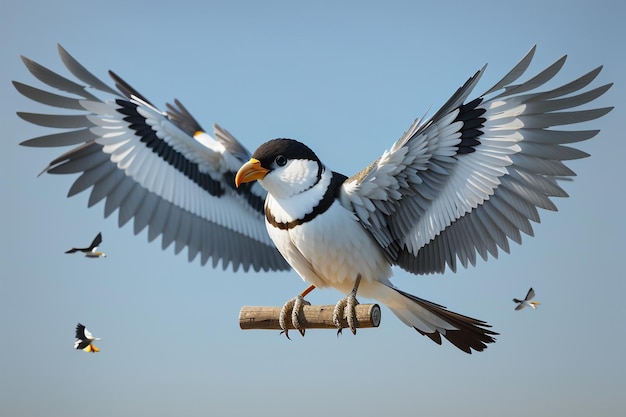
(296,176)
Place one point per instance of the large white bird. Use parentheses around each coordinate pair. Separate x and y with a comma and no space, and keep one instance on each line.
(452,188)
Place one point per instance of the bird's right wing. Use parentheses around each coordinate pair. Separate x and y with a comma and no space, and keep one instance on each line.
(96,241)
(530,295)
(159,168)
(80,331)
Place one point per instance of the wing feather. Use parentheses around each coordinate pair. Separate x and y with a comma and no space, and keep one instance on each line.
(61,139)
(518,70)
(45,97)
(536,81)
(82,73)
(120,198)
(104,188)
(60,121)
(55,80)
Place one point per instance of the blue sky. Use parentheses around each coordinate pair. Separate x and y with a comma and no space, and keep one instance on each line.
(347,79)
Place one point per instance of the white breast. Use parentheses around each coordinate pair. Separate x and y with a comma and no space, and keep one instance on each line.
(331,249)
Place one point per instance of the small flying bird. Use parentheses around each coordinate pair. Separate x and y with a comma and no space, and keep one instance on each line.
(91,251)
(453,189)
(84,340)
(526,302)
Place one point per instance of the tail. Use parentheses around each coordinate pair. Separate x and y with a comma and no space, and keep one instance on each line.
(434,321)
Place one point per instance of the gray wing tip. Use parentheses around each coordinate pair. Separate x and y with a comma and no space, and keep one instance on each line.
(62,52)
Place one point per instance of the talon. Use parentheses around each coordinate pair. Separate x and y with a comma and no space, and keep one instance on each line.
(338,314)
(346,307)
(351,304)
(299,303)
(293,307)
(282,317)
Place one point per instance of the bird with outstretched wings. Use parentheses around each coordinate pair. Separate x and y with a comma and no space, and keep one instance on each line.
(90,251)
(84,340)
(527,301)
(456,187)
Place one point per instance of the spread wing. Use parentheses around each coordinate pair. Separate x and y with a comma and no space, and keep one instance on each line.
(472,177)
(530,295)
(96,241)
(159,168)
(74,250)
(82,333)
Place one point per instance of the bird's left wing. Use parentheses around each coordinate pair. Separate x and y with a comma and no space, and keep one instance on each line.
(472,177)
(159,168)
(530,295)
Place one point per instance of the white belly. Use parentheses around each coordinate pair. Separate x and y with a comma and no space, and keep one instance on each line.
(331,250)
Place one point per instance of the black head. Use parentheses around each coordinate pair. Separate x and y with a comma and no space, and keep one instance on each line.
(278,152)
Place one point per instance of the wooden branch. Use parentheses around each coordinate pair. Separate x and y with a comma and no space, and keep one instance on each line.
(311,317)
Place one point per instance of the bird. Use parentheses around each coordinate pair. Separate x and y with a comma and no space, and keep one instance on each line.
(90,251)
(84,340)
(455,187)
(526,302)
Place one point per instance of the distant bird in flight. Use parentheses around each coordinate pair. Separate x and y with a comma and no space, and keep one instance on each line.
(526,302)
(91,250)
(84,340)
(454,187)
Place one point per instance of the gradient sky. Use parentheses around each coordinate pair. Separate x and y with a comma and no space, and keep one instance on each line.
(347,79)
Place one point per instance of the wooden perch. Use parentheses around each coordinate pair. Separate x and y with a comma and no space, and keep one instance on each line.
(311,317)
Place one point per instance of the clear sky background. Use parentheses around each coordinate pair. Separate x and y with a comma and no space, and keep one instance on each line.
(347,79)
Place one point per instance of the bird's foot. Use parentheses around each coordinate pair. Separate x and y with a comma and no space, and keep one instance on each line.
(346,307)
(293,307)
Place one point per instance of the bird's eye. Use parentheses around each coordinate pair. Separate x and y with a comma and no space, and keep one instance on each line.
(280,160)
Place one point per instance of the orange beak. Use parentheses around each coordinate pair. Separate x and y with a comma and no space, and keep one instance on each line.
(250,171)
